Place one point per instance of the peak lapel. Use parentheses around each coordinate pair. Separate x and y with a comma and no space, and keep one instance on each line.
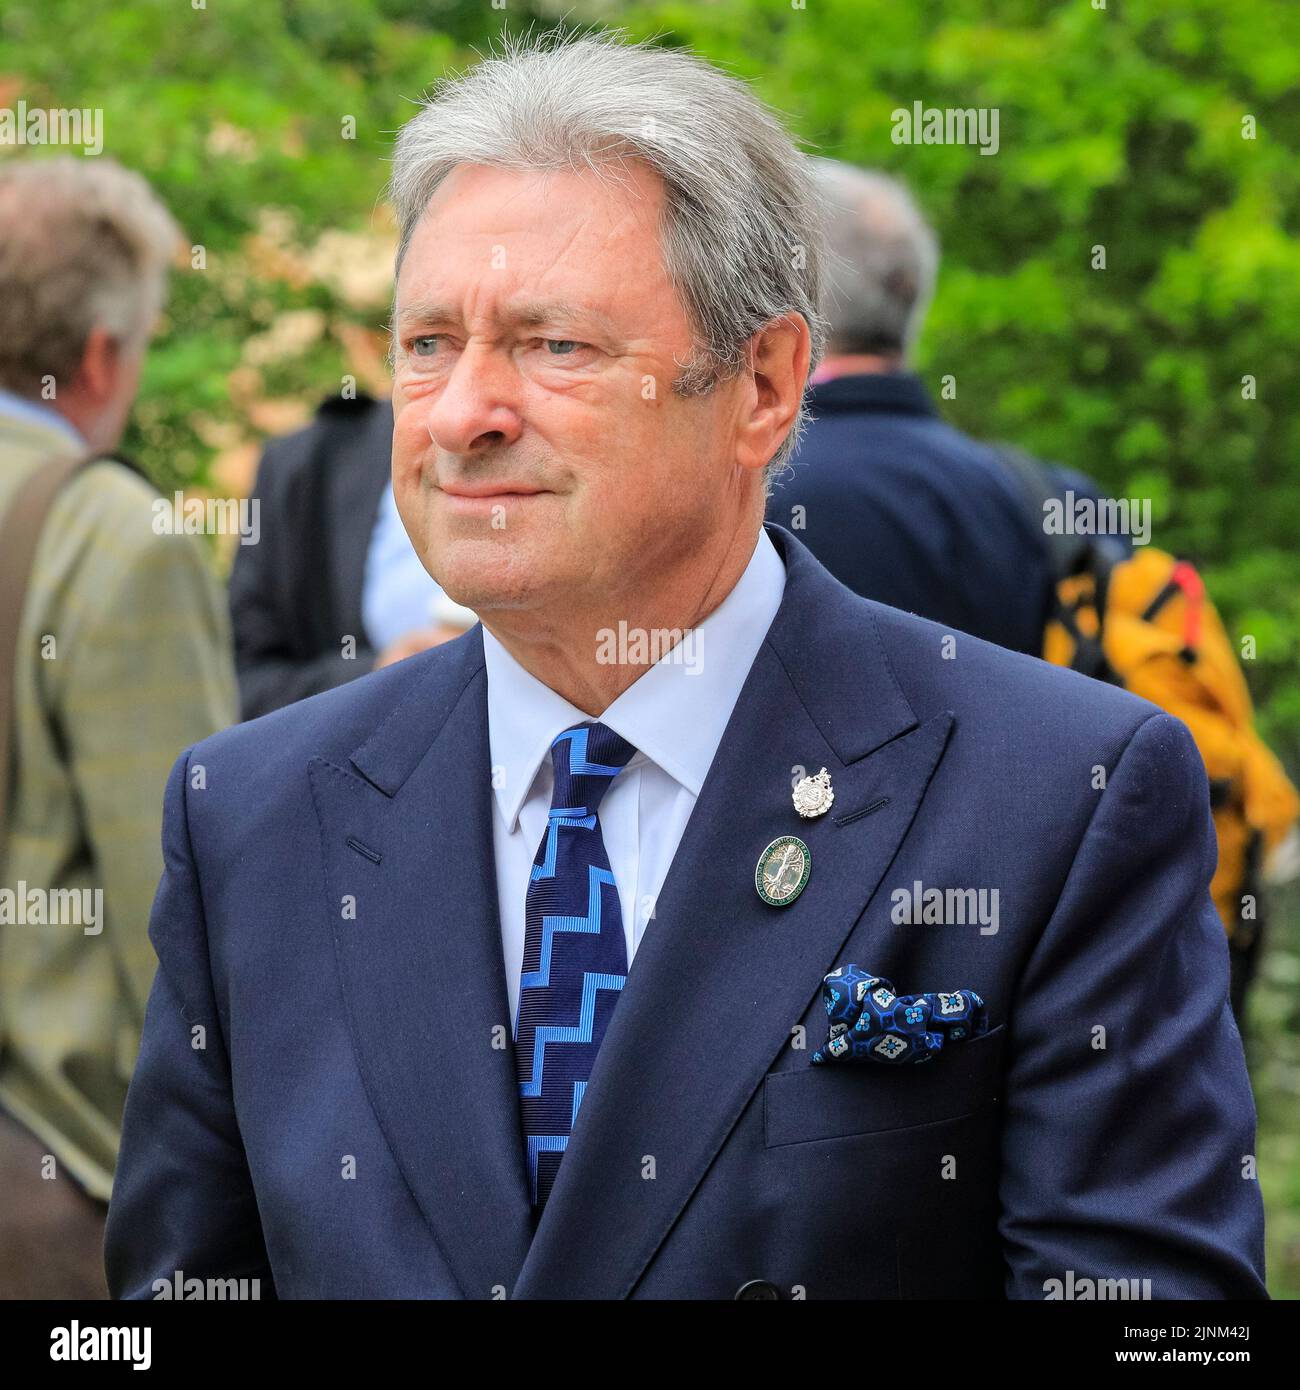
(720,977)
(421,967)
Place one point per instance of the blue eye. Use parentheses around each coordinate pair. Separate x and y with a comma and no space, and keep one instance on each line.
(415,345)
(554,343)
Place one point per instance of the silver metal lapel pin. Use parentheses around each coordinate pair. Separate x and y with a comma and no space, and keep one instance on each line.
(813,795)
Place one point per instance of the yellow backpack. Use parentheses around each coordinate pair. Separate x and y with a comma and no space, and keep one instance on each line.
(1145,622)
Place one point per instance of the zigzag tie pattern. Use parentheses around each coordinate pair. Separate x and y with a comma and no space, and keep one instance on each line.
(575,957)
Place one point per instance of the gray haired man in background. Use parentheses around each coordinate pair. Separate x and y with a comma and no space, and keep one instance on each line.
(894,501)
(116,655)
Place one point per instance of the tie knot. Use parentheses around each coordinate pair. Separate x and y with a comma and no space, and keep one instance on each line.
(586,759)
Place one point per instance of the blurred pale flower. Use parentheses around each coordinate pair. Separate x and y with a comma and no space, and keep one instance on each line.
(290,334)
(229,141)
(357,266)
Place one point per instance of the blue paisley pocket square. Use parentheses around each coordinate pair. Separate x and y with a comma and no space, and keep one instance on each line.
(869,1022)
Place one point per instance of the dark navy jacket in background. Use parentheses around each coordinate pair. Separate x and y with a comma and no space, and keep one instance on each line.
(906,510)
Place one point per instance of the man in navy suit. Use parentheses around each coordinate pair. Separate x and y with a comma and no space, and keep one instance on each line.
(499,973)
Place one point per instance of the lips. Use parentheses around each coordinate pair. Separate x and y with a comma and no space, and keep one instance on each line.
(480,501)
(482,491)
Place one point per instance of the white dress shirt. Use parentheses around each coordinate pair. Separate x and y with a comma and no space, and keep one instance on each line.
(674,715)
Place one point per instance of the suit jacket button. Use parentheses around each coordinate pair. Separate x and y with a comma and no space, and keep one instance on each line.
(759,1288)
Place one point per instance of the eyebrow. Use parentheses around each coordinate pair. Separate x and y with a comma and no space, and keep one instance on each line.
(528,312)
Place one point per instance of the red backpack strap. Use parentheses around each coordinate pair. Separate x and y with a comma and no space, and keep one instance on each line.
(1183,579)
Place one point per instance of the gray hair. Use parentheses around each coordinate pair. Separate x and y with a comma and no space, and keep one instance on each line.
(84,244)
(742,228)
(884,258)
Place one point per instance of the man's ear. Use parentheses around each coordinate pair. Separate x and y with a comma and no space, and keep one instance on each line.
(778,356)
(100,367)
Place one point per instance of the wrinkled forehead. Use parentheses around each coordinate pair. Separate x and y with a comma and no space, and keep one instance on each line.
(530,242)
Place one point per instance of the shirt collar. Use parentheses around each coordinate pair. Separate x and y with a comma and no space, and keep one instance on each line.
(674,714)
(38,413)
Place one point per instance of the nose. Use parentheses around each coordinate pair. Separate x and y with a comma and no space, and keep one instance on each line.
(478,407)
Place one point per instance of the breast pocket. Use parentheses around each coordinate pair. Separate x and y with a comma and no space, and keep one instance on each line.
(834,1101)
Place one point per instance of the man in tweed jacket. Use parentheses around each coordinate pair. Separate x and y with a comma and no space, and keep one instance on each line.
(122,660)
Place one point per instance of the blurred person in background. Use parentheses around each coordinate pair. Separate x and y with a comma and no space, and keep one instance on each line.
(115,655)
(897,504)
(334,588)
(904,508)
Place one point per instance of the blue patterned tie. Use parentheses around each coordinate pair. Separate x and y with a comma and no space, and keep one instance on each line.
(575,958)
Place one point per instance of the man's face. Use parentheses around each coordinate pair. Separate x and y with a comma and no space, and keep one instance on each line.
(540,457)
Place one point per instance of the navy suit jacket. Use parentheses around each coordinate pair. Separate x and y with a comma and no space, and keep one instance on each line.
(908,511)
(326,1096)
